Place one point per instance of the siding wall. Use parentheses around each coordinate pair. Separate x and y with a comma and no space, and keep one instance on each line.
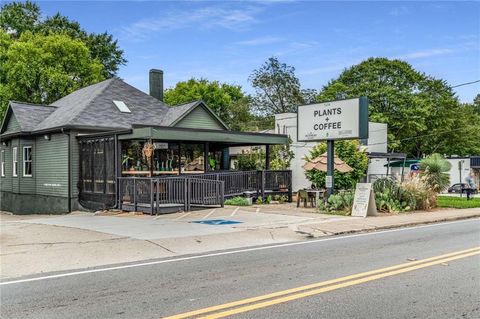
(52,165)
(26,184)
(200,118)
(12,125)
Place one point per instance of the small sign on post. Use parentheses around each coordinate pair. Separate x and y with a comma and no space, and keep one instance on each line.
(328,181)
(364,201)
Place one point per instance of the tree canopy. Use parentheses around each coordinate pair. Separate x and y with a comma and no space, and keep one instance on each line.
(349,152)
(277,88)
(40,68)
(423,114)
(17,18)
(226,100)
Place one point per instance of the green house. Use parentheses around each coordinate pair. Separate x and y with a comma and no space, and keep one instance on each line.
(42,169)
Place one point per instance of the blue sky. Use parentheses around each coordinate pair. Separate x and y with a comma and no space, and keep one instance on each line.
(225,41)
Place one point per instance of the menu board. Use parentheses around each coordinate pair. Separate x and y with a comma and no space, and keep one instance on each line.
(364,201)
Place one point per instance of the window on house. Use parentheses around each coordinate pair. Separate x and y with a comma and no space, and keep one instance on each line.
(2,158)
(15,162)
(27,161)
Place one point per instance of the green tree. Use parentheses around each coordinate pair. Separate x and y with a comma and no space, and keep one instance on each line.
(277,89)
(476,104)
(281,155)
(423,114)
(19,17)
(349,152)
(226,100)
(41,69)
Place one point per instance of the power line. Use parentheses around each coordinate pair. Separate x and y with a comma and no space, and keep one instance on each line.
(468,83)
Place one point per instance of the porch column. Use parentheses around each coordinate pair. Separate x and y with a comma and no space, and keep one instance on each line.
(226,158)
(179,158)
(206,162)
(267,157)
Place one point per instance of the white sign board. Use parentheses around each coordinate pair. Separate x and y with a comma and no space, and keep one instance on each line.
(364,201)
(328,181)
(344,119)
(160,146)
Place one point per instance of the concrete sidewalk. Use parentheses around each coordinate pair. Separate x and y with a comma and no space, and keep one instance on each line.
(37,244)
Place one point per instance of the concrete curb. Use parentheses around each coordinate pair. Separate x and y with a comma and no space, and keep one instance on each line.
(318,232)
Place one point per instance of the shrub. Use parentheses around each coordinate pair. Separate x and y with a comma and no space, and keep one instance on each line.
(425,198)
(280,198)
(237,201)
(338,202)
(259,201)
(434,172)
(391,197)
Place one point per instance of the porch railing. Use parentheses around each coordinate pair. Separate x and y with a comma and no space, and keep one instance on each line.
(200,189)
(144,193)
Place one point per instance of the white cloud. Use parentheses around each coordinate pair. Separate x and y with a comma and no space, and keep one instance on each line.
(260,41)
(206,17)
(425,53)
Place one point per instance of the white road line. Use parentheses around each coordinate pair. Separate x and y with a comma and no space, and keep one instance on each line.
(235,211)
(182,216)
(209,214)
(232,252)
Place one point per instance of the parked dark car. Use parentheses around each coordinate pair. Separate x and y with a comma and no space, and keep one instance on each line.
(458,188)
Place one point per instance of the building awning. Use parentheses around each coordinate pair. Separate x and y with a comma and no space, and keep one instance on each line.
(162,133)
(407,163)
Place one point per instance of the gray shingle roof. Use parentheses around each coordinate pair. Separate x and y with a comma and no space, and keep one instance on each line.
(93,106)
(30,115)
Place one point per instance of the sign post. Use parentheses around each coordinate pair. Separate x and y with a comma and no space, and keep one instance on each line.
(329,182)
(330,121)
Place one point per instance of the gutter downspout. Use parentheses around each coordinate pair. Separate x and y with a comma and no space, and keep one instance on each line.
(69,161)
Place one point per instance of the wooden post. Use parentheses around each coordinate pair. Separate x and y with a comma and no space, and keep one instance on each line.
(264,179)
(289,185)
(267,157)
(206,162)
(179,158)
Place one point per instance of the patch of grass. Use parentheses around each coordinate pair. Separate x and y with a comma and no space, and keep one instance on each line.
(457,202)
(237,201)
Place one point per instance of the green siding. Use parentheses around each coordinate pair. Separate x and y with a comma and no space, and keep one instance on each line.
(200,118)
(16,180)
(51,161)
(6,182)
(12,125)
(26,184)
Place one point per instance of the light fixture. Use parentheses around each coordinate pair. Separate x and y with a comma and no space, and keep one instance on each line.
(4,143)
(46,137)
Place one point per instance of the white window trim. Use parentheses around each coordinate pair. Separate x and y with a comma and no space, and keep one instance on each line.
(2,159)
(14,161)
(24,161)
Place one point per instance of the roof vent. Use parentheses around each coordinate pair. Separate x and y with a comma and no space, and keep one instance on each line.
(122,107)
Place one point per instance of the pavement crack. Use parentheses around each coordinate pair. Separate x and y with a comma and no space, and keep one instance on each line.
(67,242)
(157,244)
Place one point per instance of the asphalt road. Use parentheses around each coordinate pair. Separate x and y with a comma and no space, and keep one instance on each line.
(438,289)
